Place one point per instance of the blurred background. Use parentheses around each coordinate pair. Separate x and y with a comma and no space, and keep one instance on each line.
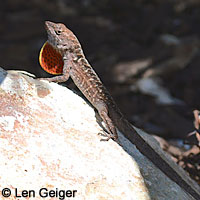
(146,52)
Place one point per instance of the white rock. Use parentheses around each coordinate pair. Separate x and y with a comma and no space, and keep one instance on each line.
(49,139)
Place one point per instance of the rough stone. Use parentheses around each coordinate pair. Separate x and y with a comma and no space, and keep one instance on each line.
(49,139)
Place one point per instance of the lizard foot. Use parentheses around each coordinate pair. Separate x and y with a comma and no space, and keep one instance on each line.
(43,79)
(107,136)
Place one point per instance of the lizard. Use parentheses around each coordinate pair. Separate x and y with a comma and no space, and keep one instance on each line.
(62,55)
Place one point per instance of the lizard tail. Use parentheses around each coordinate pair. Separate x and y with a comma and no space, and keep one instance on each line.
(145,148)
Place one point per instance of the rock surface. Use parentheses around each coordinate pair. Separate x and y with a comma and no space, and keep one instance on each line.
(49,139)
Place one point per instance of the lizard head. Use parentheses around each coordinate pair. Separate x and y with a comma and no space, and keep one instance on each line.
(60,41)
(60,37)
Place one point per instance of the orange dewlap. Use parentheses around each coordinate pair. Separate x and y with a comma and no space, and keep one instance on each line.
(50,59)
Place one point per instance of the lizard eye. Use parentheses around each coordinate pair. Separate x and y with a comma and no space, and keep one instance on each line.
(58,32)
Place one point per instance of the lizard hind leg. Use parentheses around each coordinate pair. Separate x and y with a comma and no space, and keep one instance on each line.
(111,132)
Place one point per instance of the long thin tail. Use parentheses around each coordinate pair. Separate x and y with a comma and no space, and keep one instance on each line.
(130,133)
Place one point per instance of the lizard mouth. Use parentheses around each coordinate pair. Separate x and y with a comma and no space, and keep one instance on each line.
(50,59)
(49,26)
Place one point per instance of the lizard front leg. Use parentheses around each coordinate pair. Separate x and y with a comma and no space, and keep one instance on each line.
(61,78)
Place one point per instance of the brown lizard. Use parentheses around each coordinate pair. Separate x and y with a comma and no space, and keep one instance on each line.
(62,54)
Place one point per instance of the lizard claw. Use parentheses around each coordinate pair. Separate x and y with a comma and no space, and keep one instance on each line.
(107,136)
(41,79)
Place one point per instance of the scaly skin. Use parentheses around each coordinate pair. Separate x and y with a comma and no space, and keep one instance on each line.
(77,67)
